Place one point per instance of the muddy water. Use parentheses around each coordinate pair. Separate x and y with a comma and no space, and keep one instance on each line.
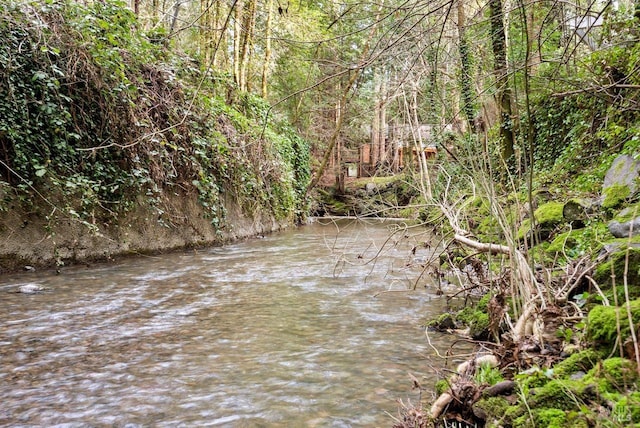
(293,330)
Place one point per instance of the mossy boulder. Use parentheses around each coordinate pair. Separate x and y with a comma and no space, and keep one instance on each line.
(606,324)
(547,216)
(613,375)
(491,409)
(620,181)
(615,195)
(581,361)
(564,243)
(444,322)
(561,394)
(617,262)
(477,321)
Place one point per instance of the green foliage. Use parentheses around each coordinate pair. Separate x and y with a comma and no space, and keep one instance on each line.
(488,375)
(100,123)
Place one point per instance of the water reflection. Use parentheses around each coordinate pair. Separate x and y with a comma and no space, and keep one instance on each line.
(296,329)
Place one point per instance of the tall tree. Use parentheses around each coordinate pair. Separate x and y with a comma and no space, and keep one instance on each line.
(466,69)
(503,90)
(267,49)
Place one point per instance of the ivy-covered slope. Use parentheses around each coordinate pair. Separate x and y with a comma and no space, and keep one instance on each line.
(111,143)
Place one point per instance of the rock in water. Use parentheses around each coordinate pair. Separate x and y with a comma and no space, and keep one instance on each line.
(30,289)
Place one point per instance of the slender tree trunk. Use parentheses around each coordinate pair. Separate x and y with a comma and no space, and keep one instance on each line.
(466,69)
(267,49)
(174,19)
(246,43)
(425,180)
(237,36)
(154,12)
(375,129)
(503,91)
(205,30)
(382,112)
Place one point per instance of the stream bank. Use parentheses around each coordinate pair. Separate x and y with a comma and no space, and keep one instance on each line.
(569,357)
(124,146)
(43,237)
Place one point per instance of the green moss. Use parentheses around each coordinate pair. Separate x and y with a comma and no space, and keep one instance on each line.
(534,378)
(552,418)
(581,361)
(613,374)
(614,195)
(578,419)
(441,386)
(549,214)
(603,323)
(617,263)
(559,394)
(494,407)
(483,302)
(563,243)
(442,322)
(629,213)
(524,229)
(547,217)
(477,321)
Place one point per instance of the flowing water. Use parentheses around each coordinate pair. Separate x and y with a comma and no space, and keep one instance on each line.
(302,328)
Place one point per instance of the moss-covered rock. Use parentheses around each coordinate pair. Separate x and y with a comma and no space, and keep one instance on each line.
(549,214)
(491,409)
(615,195)
(615,266)
(608,323)
(562,394)
(613,375)
(477,321)
(563,243)
(444,322)
(547,217)
(580,361)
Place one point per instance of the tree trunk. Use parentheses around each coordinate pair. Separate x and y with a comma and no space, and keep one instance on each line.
(246,42)
(466,69)
(503,91)
(237,35)
(174,19)
(382,120)
(267,49)
(375,130)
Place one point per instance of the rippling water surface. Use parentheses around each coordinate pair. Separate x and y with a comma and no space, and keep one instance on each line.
(298,329)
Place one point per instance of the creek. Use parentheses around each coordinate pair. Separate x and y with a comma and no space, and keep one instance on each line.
(314,326)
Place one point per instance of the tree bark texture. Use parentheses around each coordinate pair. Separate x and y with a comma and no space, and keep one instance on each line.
(503,91)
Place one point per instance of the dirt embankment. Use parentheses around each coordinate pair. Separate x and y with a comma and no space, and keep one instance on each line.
(45,237)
